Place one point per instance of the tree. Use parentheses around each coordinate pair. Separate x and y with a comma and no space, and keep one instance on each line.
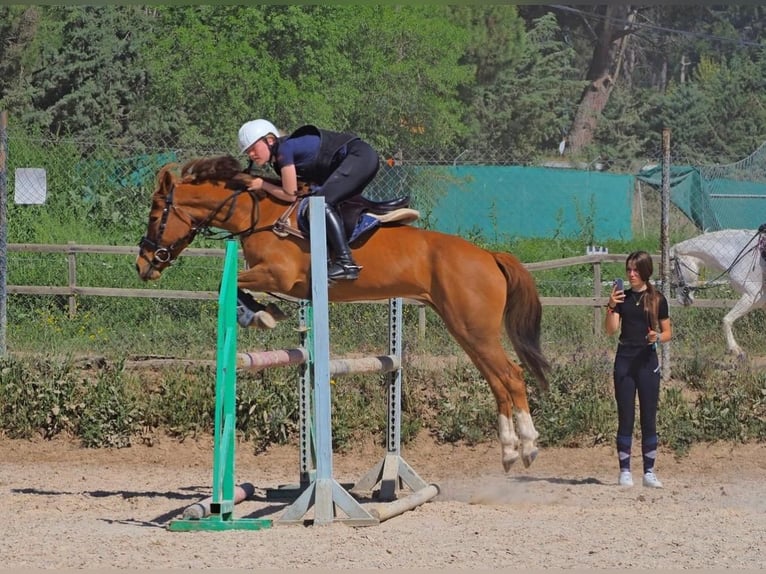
(18,29)
(610,36)
(525,81)
(719,116)
(404,77)
(382,72)
(87,80)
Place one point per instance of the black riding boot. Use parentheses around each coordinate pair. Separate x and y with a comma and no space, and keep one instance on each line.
(343,265)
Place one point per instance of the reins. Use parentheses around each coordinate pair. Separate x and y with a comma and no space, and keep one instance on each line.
(164,254)
(686,288)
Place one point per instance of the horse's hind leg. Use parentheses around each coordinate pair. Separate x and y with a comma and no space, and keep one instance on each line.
(506,381)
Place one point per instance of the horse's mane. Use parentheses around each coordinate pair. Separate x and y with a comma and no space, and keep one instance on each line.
(220,168)
(227,169)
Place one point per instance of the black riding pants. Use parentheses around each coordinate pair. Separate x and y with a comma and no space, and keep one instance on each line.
(637,371)
(353,173)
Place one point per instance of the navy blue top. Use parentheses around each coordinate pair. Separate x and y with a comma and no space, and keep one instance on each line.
(301,151)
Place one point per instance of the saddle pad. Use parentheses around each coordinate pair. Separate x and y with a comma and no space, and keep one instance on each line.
(366,223)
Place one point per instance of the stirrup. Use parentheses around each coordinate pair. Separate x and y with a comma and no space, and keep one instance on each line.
(347,271)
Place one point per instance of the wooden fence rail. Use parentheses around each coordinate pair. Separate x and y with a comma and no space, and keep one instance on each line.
(72,290)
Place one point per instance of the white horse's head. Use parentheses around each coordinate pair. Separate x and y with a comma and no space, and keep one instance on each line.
(685,272)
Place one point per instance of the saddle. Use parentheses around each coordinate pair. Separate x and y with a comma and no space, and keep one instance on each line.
(360,216)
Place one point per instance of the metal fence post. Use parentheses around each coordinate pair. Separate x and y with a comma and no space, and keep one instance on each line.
(665,240)
(3,232)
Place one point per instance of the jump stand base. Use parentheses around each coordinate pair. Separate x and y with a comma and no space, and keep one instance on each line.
(215,523)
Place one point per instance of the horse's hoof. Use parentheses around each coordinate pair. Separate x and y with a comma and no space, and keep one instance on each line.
(530,457)
(509,461)
(263,320)
(276,312)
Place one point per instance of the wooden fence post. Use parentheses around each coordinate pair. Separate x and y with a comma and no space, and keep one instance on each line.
(72,266)
(597,294)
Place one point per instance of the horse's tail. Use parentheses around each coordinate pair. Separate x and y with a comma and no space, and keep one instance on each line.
(523,315)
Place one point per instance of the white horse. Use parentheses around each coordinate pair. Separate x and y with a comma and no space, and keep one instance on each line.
(732,252)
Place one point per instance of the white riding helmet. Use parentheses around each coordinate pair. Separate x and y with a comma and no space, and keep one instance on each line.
(252,131)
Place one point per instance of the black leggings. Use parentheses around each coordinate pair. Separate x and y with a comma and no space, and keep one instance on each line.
(352,175)
(637,373)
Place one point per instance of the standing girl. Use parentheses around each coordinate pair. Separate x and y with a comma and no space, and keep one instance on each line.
(640,313)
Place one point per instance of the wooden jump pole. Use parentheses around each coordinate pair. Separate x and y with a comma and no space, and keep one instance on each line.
(203,508)
(384,511)
(258,360)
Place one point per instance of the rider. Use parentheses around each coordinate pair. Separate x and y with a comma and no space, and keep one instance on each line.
(340,165)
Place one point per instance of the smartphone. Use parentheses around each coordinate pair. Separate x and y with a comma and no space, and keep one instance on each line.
(618,284)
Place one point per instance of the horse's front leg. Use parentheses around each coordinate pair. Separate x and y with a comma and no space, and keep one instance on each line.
(741,308)
(252,313)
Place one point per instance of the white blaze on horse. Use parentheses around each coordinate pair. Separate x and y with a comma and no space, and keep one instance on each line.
(736,253)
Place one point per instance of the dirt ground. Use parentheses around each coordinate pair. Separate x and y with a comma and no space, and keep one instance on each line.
(66,507)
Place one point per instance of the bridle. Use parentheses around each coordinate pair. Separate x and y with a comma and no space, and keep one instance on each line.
(687,290)
(164,255)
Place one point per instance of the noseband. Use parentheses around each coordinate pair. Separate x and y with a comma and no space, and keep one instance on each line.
(164,255)
(686,289)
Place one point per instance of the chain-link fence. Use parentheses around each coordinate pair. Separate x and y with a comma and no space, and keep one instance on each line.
(98,194)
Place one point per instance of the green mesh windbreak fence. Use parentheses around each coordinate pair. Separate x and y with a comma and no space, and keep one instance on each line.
(502,202)
(729,196)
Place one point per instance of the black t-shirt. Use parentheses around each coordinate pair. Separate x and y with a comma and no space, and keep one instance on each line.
(635,320)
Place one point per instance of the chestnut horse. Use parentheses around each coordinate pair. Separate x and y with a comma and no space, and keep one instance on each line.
(475,292)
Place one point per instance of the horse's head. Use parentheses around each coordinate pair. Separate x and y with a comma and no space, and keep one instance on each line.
(685,271)
(206,195)
(168,232)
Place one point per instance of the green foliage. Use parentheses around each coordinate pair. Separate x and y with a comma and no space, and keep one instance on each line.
(676,421)
(464,410)
(524,103)
(223,65)
(579,408)
(182,403)
(267,407)
(497,79)
(726,97)
(110,415)
(626,132)
(38,397)
(89,77)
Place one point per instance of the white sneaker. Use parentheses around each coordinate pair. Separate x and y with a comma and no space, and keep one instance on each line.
(651,480)
(626,479)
